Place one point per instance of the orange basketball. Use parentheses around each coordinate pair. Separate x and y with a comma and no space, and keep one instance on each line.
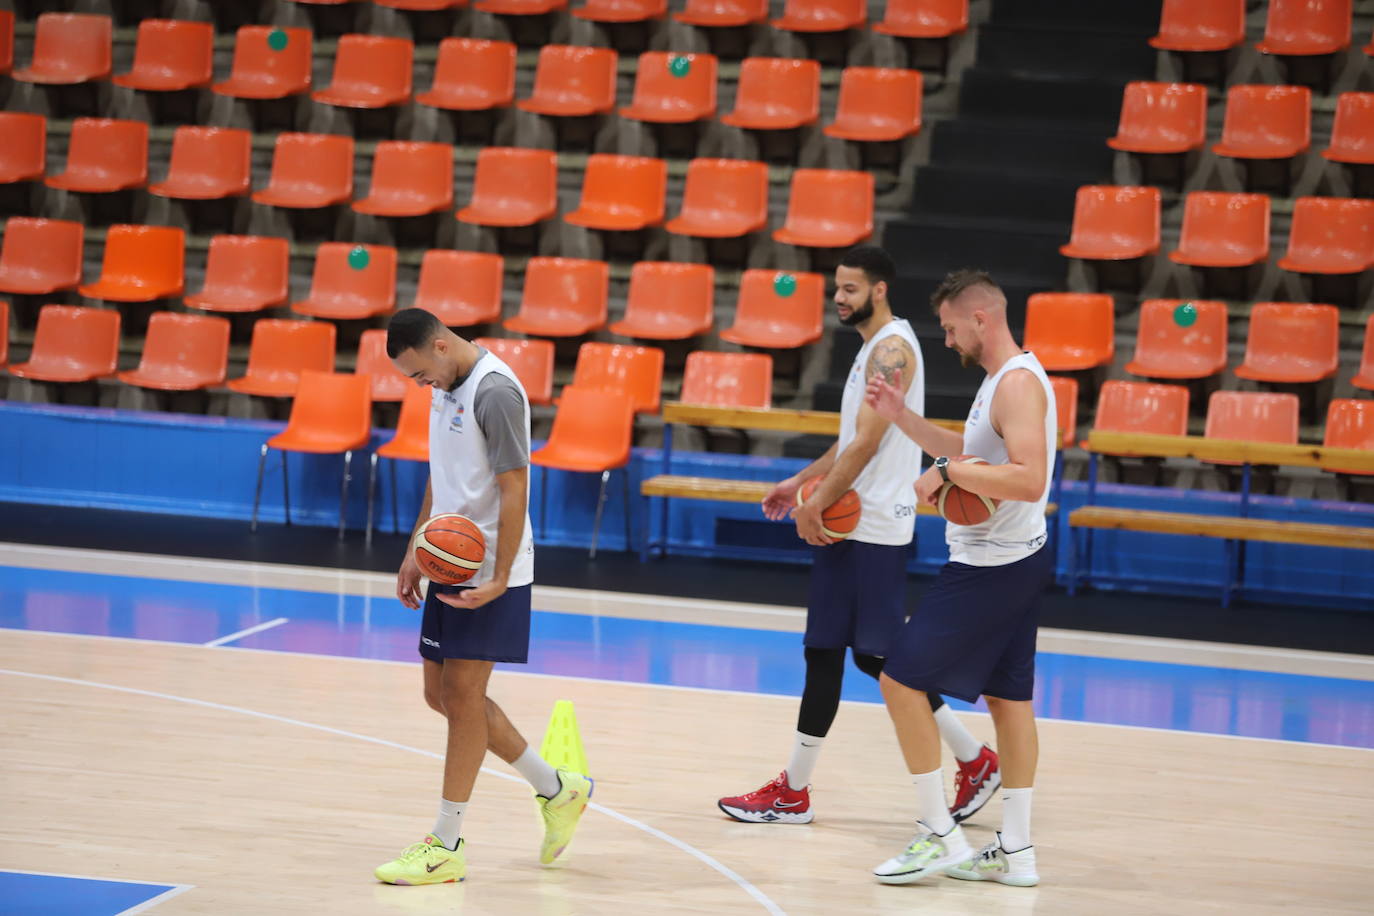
(449,549)
(840,518)
(959,506)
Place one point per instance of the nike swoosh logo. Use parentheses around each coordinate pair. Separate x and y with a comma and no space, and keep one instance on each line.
(431,868)
(782,804)
(978,780)
(804,744)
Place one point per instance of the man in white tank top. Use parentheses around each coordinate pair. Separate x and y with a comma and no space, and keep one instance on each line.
(479,449)
(858,584)
(974,631)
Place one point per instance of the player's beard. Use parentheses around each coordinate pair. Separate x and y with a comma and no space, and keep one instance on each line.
(861,314)
(970,359)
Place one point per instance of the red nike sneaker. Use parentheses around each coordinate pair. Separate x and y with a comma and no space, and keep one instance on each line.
(974,785)
(775,803)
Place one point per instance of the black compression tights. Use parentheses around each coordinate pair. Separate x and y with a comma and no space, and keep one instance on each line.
(824,677)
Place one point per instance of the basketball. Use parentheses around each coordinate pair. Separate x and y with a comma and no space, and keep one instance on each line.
(841,517)
(959,506)
(449,549)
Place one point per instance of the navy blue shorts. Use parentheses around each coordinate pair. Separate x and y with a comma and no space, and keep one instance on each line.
(973,632)
(498,631)
(858,596)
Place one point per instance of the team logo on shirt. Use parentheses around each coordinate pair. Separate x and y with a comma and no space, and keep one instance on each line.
(455,425)
(977,409)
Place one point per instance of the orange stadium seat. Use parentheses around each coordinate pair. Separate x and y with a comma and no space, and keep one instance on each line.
(1071,331)
(924,18)
(1364,376)
(141,263)
(370,71)
(1113,223)
(877,104)
(1252,416)
(1164,348)
(1223,230)
(23,155)
(1066,408)
(421,6)
(171,55)
(182,353)
(4,333)
(1349,424)
(637,371)
(72,344)
(723,198)
(350,282)
(728,379)
(828,208)
(6,48)
(530,360)
(244,273)
(822,15)
(1352,134)
(461,288)
(520,7)
(1200,25)
(621,10)
(1291,342)
(769,316)
(472,74)
(1306,27)
(40,256)
(270,62)
(776,94)
(621,193)
(69,48)
(104,155)
(280,351)
(1330,235)
(1266,122)
(1161,118)
(668,301)
(572,81)
(388,384)
(309,171)
(664,95)
(513,187)
(723,13)
(411,443)
(1142,407)
(409,179)
(207,163)
(563,297)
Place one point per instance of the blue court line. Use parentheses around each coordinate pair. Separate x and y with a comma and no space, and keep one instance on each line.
(1191,698)
(39,894)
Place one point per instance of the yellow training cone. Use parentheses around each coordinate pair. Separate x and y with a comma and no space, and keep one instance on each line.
(562,746)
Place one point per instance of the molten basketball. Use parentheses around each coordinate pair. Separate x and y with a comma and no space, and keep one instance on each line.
(840,518)
(959,506)
(449,549)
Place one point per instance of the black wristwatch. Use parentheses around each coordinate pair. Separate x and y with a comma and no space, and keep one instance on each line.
(942,465)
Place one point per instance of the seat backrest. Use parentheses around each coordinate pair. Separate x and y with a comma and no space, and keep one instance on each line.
(388,383)
(777,83)
(1082,323)
(1216,222)
(412,427)
(286,347)
(150,256)
(638,371)
(833,197)
(374,61)
(931,18)
(762,298)
(673,288)
(342,272)
(173,48)
(23,155)
(723,12)
(621,10)
(410,169)
(334,401)
(880,95)
(680,86)
(1294,333)
(1066,408)
(115,150)
(271,61)
(506,173)
(470,278)
(4,331)
(566,285)
(1111,216)
(1200,25)
(1366,369)
(583,73)
(1166,348)
(254,266)
(615,184)
(323,161)
(1352,134)
(728,379)
(70,336)
(823,15)
(187,345)
(1253,416)
(49,249)
(594,417)
(217,157)
(1350,424)
(1164,113)
(486,66)
(1267,121)
(72,46)
(1142,407)
(6,51)
(1336,232)
(726,186)
(1307,26)
(531,360)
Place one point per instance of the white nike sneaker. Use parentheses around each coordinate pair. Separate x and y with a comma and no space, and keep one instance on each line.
(927,855)
(993,863)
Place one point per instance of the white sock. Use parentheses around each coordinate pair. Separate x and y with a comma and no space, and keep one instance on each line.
(930,801)
(449,825)
(1016,808)
(957,736)
(538,773)
(804,753)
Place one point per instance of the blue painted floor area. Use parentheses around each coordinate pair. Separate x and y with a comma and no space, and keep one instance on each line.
(24,894)
(1183,697)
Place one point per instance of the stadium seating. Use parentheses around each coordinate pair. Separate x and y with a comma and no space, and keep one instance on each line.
(104,155)
(1291,343)
(40,256)
(1168,348)
(244,273)
(182,353)
(72,344)
(728,379)
(1070,331)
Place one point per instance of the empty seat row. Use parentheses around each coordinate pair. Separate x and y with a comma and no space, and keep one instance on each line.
(1328,235)
(1292,27)
(1286,342)
(1262,122)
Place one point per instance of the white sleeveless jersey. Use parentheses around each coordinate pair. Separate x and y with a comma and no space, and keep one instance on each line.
(1017,529)
(886,484)
(460,473)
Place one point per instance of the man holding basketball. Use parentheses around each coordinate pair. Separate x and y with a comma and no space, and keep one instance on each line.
(857,584)
(974,633)
(479,447)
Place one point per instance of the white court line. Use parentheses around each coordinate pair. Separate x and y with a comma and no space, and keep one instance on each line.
(225,640)
(172,890)
(680,687)
(758,895)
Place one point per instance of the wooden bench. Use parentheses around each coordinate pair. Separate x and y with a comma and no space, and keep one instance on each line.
(1235,530)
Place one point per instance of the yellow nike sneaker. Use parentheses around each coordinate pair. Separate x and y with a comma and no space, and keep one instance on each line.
(425,862)
(562,812)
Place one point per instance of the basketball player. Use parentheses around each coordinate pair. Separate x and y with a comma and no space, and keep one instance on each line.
(479,447)
(974,632)
(858,584)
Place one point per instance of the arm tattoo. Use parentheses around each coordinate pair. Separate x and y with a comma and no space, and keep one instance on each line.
(891,356)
